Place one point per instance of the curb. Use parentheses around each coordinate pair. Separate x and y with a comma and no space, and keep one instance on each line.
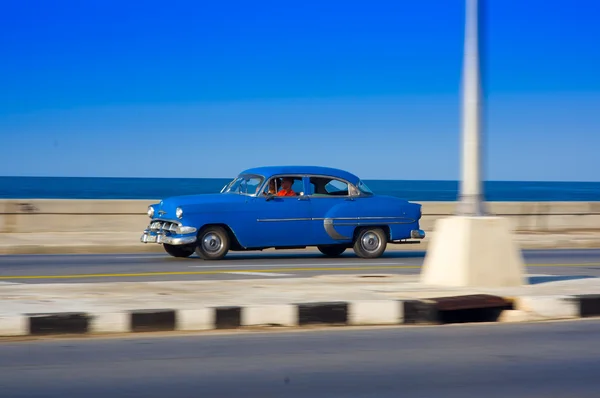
(434,311)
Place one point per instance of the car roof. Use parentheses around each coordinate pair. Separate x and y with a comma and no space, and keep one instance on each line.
(318,170)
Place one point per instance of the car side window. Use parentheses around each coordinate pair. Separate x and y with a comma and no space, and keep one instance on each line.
(243,185)
(337,187)
(297,186)
(328,187)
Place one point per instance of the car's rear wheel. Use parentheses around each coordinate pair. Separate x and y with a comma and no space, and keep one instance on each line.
(179,251)
(213,243)
(332,251)
(370,242)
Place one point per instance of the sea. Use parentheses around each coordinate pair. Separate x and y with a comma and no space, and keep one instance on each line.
(157,188)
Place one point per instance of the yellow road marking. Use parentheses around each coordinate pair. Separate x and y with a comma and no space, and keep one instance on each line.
(166,273)
(270,270)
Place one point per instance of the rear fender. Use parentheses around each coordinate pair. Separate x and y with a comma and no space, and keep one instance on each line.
(342,221)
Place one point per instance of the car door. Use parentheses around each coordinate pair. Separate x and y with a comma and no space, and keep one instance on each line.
(282,221)
(333,210)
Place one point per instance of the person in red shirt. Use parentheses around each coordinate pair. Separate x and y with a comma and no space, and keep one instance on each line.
(286,187)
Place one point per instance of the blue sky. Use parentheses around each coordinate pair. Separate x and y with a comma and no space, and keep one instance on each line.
(206,89)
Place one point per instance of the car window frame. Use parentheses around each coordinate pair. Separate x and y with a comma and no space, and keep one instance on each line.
(300,176)
(243,175)
(350,185)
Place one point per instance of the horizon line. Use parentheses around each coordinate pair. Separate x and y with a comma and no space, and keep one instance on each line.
(229,178)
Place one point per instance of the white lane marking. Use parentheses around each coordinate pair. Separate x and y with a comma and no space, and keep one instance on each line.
(295,265)
(258,273)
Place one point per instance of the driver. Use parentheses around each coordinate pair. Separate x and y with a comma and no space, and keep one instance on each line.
(286,187)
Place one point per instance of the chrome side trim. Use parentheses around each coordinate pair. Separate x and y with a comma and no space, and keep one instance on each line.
(330,229)
(347,224)
(283,219)
(405,220)
(369,218)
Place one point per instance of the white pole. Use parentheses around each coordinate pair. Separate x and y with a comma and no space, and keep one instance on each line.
(467,249)
(471,192)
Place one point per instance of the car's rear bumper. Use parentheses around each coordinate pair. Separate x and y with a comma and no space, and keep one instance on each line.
(417,234)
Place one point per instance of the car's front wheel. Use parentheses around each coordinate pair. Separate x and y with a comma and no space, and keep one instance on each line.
(332,251)
(179,251)
(213,243)
(370,242)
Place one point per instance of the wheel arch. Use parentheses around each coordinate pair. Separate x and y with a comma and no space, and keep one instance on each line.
(386,230)
(234,242)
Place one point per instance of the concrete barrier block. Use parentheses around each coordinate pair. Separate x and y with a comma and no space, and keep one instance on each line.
(375,312)
(110,322)
(548,307)
(515,316)
(15,325)
(279,315)
(195,319)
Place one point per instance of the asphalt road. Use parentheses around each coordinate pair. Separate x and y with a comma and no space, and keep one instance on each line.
(153,267)
(502,360)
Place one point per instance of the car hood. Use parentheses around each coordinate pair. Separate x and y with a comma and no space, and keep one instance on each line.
(196,203)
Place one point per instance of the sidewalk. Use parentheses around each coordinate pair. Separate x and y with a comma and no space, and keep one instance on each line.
(128,242)
(347,300)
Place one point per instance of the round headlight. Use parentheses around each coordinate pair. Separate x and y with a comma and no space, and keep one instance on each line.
(150,211)
(179,212)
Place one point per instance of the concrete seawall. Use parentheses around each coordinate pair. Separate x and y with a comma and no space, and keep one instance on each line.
(115,226)
(94,216)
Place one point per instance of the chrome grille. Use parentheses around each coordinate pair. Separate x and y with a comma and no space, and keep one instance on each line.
(159,225)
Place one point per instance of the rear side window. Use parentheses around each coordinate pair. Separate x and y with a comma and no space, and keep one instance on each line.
(327,187)
(364,188)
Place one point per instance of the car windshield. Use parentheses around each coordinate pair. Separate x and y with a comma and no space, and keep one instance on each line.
(364,188)
(244,185)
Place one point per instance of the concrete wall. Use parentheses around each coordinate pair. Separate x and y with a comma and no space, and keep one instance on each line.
(23,216)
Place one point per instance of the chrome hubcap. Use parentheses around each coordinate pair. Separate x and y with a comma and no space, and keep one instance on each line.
(212,243)
(370,241)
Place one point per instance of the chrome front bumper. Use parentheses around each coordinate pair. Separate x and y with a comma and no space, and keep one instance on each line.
(169,232)
(148,237)
(417,234)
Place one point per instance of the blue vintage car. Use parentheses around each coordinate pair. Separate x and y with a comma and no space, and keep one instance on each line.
(284,207)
